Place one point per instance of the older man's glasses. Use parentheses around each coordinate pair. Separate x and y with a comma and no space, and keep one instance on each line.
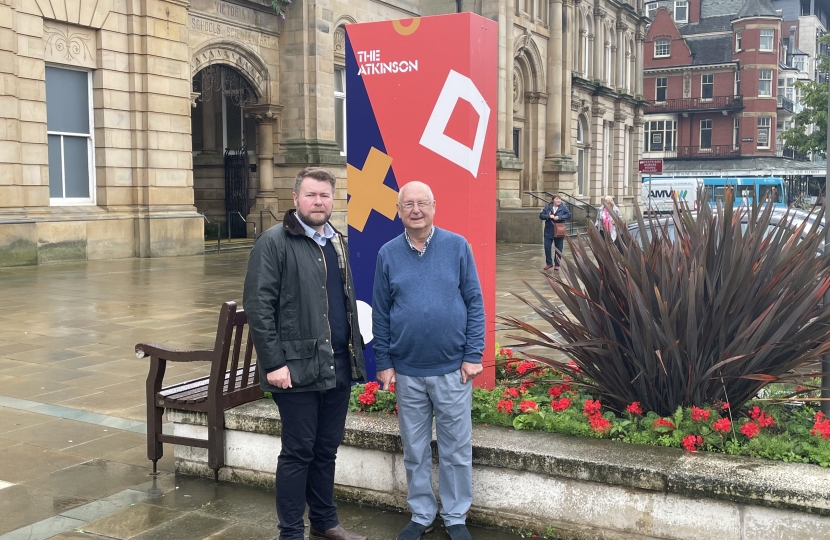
(409,205)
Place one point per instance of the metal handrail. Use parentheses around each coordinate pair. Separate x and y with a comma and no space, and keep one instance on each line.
(245,221)
(260,218)
(218,231)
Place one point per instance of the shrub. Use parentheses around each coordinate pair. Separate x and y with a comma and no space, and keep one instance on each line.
(712,314)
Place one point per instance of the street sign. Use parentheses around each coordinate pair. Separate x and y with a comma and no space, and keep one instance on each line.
(651,165)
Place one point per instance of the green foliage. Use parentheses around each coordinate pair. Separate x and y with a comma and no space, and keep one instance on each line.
(814,113)
(280,6)
(711,314)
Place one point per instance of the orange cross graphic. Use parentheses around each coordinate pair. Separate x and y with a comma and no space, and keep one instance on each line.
(367,191)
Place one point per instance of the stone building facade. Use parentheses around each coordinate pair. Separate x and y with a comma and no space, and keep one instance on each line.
(127,125)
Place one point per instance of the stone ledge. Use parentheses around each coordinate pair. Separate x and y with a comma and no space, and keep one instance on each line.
(746,481)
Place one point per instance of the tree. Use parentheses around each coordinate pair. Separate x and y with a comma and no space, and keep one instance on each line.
(814,113)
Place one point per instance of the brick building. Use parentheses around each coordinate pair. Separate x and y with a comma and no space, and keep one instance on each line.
(712,76)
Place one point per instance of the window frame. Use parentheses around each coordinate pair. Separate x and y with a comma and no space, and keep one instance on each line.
(767,80)
(708,128)
(665,130)
(651,7)
(736,133)
(685,5)
(342,97)
(76,201)
(664,87)
(738,41)
(737,83)
(710,85)
(764,125)
(764,37)
(658,43)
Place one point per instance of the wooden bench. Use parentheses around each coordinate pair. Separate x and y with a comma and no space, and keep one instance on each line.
(228,385)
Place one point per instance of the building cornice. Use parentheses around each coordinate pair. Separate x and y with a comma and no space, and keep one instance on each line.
(680,69)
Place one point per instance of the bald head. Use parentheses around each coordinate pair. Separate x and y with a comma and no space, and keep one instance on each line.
(418,190)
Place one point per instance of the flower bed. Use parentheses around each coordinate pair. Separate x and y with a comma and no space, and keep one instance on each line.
(530,396)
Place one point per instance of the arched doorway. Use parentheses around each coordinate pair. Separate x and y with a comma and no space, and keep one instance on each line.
(224,148)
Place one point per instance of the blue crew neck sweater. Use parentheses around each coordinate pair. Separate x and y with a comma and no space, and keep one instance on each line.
(427,310)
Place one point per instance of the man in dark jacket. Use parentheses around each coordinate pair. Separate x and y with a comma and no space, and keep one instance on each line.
(302,313)
(554,212)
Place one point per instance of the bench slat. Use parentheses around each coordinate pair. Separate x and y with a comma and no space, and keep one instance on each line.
(197,391)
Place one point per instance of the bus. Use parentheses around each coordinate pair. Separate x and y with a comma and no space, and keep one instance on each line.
(748,190)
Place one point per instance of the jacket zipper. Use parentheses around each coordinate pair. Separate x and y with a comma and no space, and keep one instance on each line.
(325,277)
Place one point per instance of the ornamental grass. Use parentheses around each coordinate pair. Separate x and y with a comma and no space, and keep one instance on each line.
(726,305)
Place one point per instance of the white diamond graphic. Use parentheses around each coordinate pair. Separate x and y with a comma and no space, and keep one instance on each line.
(456,87)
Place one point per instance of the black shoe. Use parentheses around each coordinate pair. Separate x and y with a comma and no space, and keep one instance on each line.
(459,532)
(413,531)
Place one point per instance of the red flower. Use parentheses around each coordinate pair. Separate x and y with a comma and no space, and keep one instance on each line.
(392,388)
(524,367)
(367,399)
(505,406)
(751,429)
(573,366)
(724,406)
(598,423)
(765,420)
(635,408)
(699,414)
(663,423)
(529,406)
(510,393)
(723,425)
(591,407)
(691,442)
(557,390)
(372,387)
(822,427)
(755,412)
(560,405)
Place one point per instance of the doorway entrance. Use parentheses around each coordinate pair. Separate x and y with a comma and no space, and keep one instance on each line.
(224,182)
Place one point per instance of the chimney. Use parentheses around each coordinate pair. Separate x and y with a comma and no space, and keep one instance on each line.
(791,46)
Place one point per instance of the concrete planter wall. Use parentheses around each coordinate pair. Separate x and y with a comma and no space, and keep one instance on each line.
(578,488)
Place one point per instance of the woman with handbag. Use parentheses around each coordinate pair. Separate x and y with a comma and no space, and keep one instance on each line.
(554,214)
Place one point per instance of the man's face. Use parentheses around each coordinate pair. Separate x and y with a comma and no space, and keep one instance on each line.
(416,208)
(314,201)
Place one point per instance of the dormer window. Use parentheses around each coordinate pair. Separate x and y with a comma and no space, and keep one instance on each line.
(662,48)
(681,11)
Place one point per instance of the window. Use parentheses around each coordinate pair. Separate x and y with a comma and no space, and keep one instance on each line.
(517,139)
(662,48)
(662,88)
(736,133)
(705,135)
(707,86)
(681,11)
(580,134)
(766,39)
(581,154)
(661,135)
(764,124)
(738,83)
(69,132)
(737,41)
(798,63)
(340,108)
(764,82)
(650,9)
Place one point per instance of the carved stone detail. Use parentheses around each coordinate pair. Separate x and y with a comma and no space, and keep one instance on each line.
(536,97)
(231,54)
(620,117)
(599,110)
(69,44)
(640,35)
(600,13)
(340,41)
(264,114)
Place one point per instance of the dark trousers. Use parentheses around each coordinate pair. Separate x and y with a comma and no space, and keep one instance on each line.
(312,429)
(559,244)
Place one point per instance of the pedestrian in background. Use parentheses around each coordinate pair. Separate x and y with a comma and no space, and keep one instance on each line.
(554,214)
(302,313)
(428,324)
(605,221)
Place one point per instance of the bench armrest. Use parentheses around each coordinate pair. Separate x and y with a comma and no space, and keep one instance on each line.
(174,355)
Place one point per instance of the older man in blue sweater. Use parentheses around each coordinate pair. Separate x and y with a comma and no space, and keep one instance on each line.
(428,325)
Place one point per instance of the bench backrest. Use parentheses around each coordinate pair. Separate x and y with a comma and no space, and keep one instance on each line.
(230,334)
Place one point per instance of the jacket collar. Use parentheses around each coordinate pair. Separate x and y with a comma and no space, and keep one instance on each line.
(292,225)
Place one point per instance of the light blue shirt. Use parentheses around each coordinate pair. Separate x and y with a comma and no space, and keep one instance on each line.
(328,232)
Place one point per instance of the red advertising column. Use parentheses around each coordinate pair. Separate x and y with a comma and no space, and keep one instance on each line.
(422,105)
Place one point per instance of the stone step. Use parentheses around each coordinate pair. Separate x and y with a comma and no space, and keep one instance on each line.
(237,244)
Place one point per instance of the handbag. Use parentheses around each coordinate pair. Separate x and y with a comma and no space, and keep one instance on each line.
(559,230)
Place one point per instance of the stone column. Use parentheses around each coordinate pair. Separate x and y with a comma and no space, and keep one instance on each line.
(637,83)
(637,146)
(508,74)
(599,40)
(620,82)
(267,202)
(570,32)
(508,166)
(597,170)
(553,115)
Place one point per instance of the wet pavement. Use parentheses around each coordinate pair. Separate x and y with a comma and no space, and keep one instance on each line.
(72,403)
